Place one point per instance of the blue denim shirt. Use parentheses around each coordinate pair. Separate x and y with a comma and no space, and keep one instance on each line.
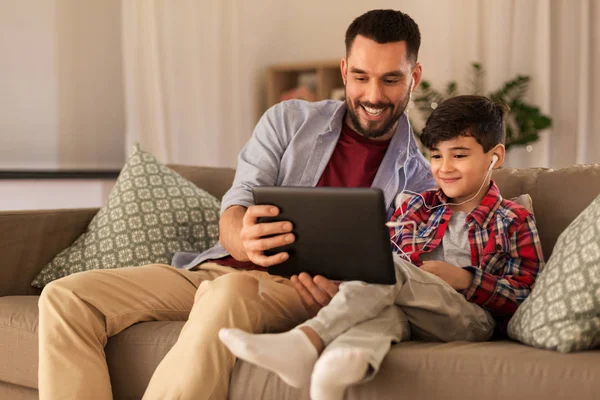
(291,146)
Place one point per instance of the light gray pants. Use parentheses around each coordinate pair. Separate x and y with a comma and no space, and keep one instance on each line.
(371,317)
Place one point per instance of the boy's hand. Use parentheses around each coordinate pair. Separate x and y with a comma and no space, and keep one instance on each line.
(458,278)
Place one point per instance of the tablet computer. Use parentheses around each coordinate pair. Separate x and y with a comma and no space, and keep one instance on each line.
(340,232)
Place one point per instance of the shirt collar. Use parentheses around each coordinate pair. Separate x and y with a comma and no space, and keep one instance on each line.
(483,213)
(337,119)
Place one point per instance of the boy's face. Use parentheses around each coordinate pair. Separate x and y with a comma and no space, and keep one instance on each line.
(460,167)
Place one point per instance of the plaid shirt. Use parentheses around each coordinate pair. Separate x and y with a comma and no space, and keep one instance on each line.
(506,255)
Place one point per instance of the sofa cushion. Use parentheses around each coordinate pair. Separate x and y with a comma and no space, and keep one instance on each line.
(563,310)
(422,370)
(132,355)
(16,392)
(458,370)
(215,180)
(19,340)
(559,195)
(152,212)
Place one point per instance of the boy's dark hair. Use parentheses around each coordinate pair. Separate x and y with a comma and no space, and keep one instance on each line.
(474,116)
(386,26)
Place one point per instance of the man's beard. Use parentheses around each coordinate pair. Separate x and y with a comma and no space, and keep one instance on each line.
(386,127)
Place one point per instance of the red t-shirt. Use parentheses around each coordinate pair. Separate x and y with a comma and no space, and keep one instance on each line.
(354,163)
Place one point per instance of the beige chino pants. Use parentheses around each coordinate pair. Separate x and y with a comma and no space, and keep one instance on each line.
(80,312)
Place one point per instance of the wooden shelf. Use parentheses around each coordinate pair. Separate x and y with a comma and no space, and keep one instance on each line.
(283,77)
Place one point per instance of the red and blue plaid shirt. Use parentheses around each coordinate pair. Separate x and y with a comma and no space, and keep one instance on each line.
(506,255)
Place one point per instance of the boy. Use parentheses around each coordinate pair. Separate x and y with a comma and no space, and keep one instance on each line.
(475,259)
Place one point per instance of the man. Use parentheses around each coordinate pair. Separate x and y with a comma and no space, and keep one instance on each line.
(359,142)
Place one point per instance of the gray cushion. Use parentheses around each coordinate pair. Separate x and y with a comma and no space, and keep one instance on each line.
(563,310)
(152,212)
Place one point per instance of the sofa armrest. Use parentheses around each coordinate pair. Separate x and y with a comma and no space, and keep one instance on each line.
(31,239)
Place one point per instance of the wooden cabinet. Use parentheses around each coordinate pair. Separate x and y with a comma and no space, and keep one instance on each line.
(322,78)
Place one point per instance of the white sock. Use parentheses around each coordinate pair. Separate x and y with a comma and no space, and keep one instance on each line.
(291,355)
(335,371)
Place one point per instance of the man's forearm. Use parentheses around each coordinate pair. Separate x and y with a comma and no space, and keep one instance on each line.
(230,225)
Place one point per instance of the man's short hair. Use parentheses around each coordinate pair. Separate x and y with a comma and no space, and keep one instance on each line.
(386,26)
(474,116)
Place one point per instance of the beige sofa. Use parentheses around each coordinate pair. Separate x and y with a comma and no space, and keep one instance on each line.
(493,370)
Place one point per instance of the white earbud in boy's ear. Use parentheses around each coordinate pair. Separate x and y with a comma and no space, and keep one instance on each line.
(494,161)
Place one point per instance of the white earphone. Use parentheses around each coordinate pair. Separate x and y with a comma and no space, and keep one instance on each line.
(494,161)
(399,198)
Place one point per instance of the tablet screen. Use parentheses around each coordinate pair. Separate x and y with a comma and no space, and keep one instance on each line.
(340,232)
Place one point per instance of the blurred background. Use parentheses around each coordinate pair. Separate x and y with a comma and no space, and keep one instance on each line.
(82,81)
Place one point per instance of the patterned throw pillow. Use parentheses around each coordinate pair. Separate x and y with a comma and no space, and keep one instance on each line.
(152,212)
(563,310)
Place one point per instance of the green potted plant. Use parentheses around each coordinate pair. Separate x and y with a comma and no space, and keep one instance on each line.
(524,122)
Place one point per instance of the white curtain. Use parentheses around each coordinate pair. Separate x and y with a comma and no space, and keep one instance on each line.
(575,82)
(179,58)
(558,45)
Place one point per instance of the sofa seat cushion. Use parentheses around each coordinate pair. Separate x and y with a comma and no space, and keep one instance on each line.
(461,370)
(422,370)
(132,355)
(18,340)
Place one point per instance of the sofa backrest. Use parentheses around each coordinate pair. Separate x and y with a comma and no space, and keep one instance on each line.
(558,195)
(215,181)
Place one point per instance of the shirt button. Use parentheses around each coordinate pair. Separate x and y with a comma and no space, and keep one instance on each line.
(442,221)
(498,247)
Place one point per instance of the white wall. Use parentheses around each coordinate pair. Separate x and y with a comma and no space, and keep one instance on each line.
(61,90)
(33,194)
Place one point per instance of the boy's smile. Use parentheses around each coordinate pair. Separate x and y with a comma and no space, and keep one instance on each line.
(460,168)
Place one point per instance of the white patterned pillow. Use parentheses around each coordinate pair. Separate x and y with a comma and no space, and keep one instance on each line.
(152,212)
(563,310)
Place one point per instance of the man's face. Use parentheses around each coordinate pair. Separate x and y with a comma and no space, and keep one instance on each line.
(378,80)
(460,168)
